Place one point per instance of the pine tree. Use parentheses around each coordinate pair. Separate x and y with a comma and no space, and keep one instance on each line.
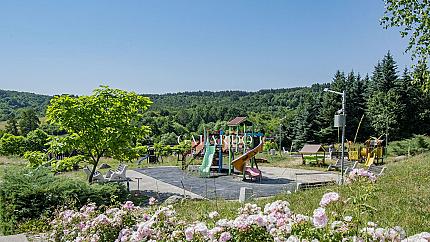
(384,75)
(330,103)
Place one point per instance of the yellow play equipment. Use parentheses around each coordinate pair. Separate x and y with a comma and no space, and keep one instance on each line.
(371,152)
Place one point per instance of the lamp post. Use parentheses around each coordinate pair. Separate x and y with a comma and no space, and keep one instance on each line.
(341,121)
(280,136)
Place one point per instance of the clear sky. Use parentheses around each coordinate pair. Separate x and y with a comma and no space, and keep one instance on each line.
(160,46)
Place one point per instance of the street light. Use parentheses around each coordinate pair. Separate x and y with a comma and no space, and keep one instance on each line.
(341,120)
(280,135)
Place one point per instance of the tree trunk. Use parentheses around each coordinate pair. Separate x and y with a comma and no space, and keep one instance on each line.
(90,179)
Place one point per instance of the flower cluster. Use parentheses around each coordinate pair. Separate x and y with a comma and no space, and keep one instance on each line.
(276,222)
(360,174)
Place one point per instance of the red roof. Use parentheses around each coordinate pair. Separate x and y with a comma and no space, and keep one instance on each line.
(236,121)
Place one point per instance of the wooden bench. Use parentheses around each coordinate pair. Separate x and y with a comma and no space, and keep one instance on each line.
(376,170)
(348,165)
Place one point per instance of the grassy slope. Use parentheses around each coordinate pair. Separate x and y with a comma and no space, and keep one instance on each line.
(402,198)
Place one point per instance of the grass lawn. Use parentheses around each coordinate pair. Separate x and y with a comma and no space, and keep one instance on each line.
(402,198)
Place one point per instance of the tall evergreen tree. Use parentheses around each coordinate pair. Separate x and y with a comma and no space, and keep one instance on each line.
(389,70)
(329,105)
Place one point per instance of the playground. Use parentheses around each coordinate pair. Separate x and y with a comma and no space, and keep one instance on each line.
(220,163)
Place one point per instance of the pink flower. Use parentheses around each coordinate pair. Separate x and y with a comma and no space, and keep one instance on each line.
(189,233)
(225,236)
(329,198)
(213,214)
(319,219)
(152,201)
(128,205)
(201,228)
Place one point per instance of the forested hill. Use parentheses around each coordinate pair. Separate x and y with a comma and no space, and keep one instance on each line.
(13,101)
(234,102)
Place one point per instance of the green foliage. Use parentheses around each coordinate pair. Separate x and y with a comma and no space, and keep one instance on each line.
(413,19)
(12,145)
(107,122)
(29,194)
(12,102)
(36,140)
(35,158)
(183,146)
(384,110)
(268,145)
(12,125)
(169,139)
(28,121)
(413,146)
(67,164)
(61,144)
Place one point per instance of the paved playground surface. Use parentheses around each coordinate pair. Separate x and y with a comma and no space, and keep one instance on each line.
(172,180)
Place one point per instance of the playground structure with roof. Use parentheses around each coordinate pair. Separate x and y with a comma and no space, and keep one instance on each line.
(238,146)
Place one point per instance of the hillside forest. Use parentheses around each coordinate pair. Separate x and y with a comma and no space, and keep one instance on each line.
(384,103)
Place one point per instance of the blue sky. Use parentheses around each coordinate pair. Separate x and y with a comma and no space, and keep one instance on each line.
(160,46)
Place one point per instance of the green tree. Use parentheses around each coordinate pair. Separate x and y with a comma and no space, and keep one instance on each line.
(384,75)
(106,122)
(384,110)
(12,145)
(330,103)
(413,19)
(12,125)
(28,121)
(36,140)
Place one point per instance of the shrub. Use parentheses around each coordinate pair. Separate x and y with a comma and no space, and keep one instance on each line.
(35,158)
(275,222)
(413,146)
(12,145)
(30,194)
(67,164)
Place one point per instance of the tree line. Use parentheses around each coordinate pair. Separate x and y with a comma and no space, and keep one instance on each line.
(385,102)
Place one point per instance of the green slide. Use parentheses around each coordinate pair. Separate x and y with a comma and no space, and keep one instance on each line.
(207,160)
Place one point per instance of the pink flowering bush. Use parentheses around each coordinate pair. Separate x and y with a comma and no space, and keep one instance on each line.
(274,222)
(360,175)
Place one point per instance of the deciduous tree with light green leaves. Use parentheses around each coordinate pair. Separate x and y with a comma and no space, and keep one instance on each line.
(413,19)
(108,122)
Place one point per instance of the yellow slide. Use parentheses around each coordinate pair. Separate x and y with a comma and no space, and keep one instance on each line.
(370,159)
(240,162)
